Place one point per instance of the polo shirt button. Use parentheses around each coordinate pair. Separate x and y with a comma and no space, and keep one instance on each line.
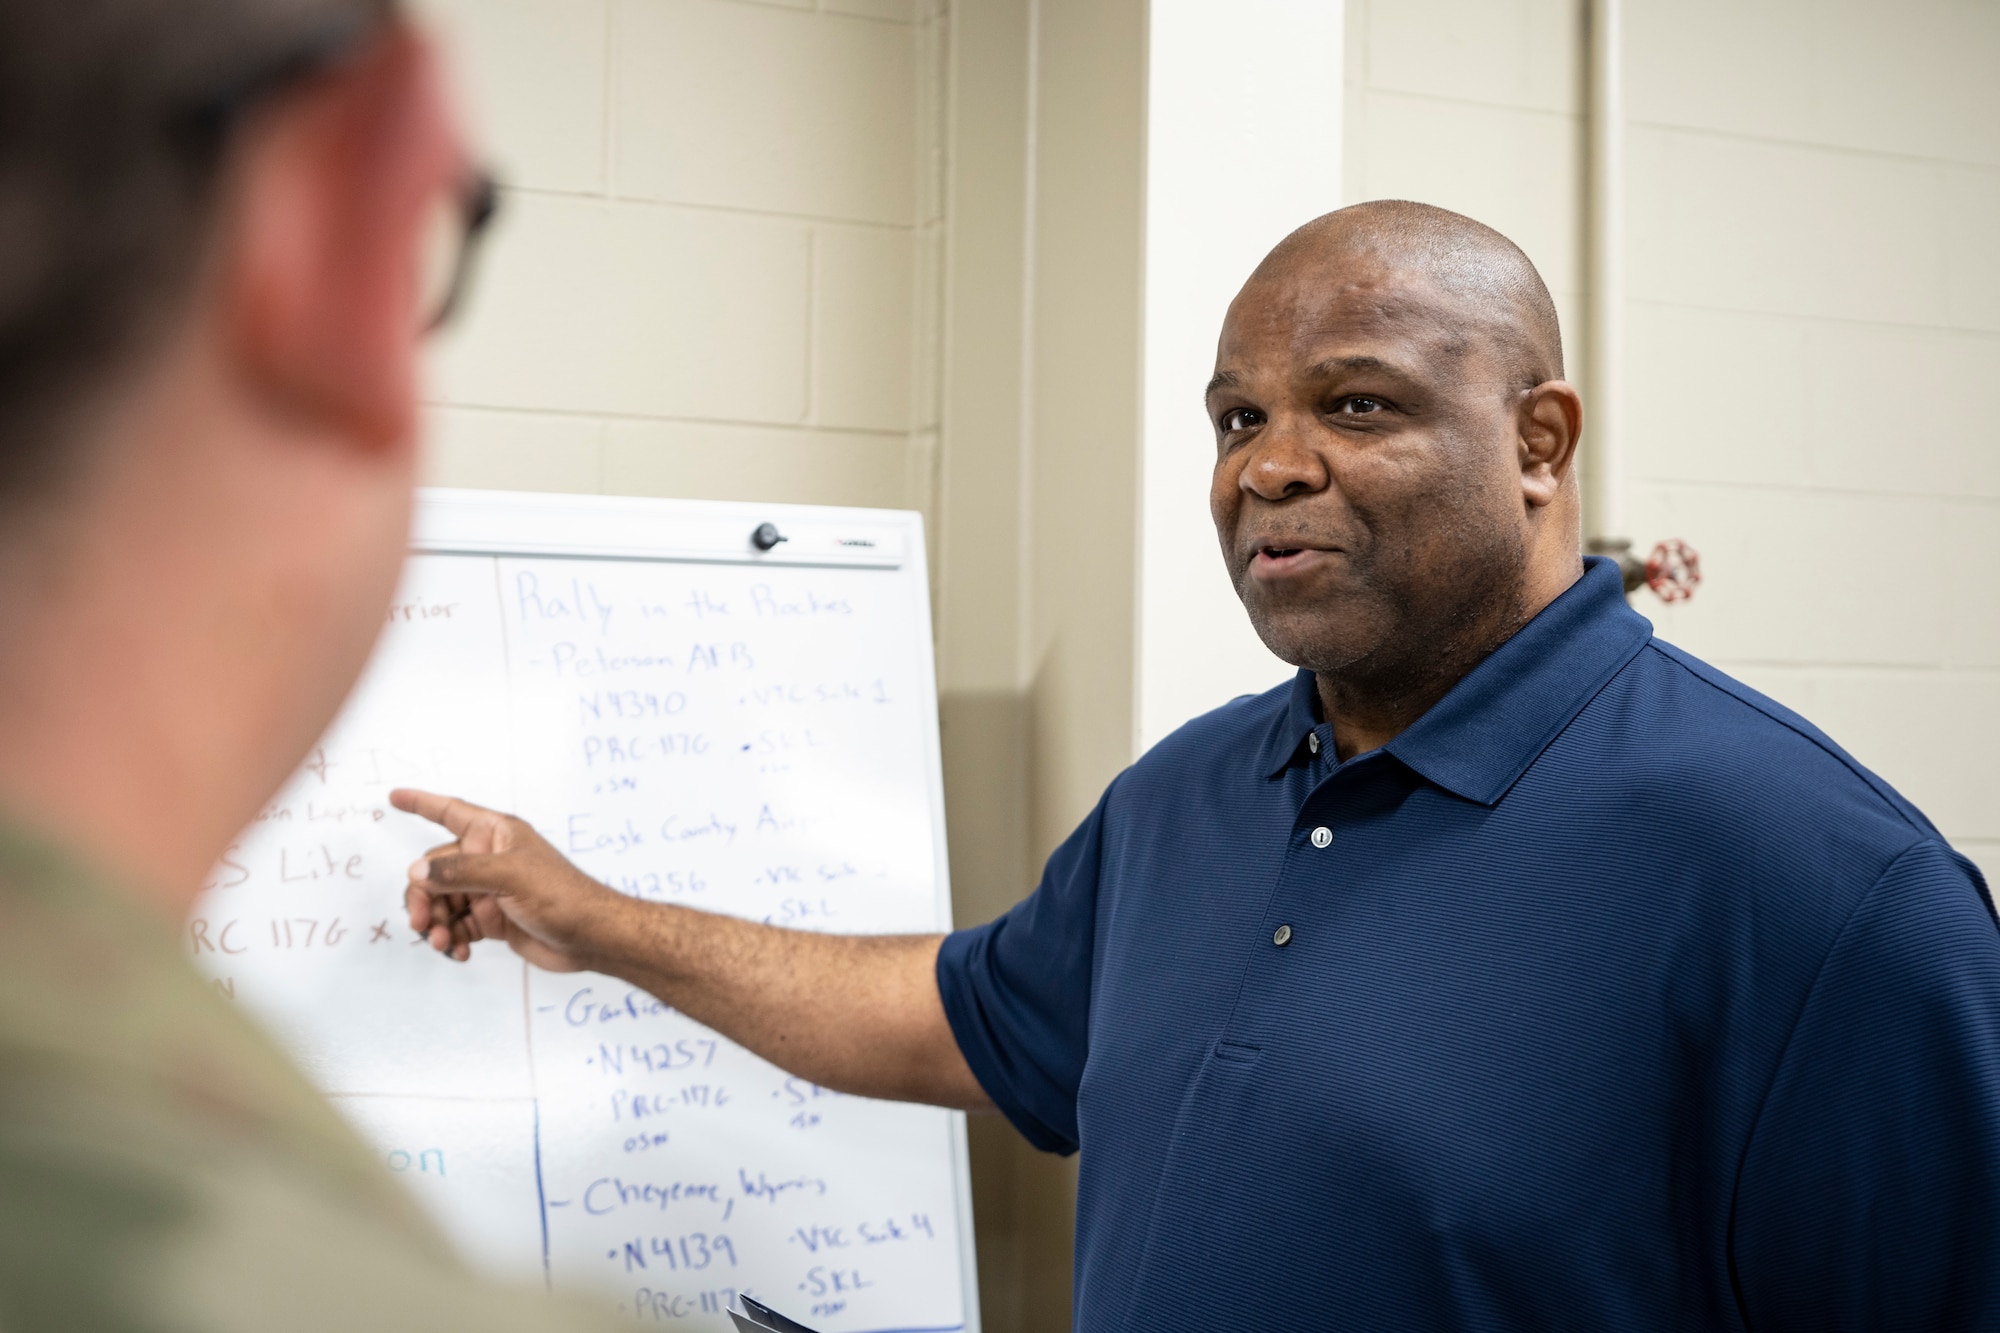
(1322,836)
(1281,936)
(1312,742)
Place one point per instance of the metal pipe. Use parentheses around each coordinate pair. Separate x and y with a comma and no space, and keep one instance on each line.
(1604,516)
(1673,570)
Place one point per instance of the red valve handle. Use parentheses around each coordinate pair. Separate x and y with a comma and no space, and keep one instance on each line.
(1673,571)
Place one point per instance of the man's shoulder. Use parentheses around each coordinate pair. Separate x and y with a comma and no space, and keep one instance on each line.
(1742,770)
(164,1166)
(1689,799)
(1226,741)
(1752,727)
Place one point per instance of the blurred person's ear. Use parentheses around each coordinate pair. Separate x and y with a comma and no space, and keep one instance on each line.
(323,242)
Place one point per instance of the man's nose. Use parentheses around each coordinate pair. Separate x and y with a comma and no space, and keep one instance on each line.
(1282,463)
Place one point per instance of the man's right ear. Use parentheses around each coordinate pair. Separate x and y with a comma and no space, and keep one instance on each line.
(334,185)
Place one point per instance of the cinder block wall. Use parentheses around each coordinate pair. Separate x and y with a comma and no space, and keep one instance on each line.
(715,273)
(1814,325)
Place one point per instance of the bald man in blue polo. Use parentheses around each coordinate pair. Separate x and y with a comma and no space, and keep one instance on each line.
(1506,969)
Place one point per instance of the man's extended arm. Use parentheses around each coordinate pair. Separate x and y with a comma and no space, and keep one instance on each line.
(855,1013)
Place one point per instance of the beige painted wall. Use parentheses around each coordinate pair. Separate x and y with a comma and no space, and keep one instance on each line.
(715,274)
(1814,324)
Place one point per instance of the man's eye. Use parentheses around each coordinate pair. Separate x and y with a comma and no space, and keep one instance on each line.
(1241,418)
(1357,407)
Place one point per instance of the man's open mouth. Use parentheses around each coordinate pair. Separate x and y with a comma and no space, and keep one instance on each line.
(1277,562)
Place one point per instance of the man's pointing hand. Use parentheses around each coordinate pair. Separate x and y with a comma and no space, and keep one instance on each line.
(499,879)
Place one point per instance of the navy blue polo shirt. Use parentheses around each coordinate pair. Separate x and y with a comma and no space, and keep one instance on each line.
(1610,995)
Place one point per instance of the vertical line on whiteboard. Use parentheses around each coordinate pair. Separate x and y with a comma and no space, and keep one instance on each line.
(542,1198)
(535,1088)
(527,996)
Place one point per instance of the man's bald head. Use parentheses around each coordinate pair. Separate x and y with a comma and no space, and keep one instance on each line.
(1393,487)
(1425,251)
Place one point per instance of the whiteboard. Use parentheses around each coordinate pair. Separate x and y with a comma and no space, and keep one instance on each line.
(691,721)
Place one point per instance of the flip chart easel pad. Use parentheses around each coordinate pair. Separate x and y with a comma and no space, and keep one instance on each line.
(691,721)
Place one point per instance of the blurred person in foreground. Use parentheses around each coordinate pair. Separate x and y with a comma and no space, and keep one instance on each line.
(213,218)
(1507,968)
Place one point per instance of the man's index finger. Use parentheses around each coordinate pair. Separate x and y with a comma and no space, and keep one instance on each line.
(456,815)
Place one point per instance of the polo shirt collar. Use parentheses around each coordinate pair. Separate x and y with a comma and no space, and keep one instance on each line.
(1287,738)
(1478,740)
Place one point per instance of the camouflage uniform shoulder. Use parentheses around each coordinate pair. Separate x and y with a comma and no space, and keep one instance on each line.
(163,1166)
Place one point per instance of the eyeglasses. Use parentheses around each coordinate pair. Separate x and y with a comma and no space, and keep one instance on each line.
(452,239)
(458,222)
